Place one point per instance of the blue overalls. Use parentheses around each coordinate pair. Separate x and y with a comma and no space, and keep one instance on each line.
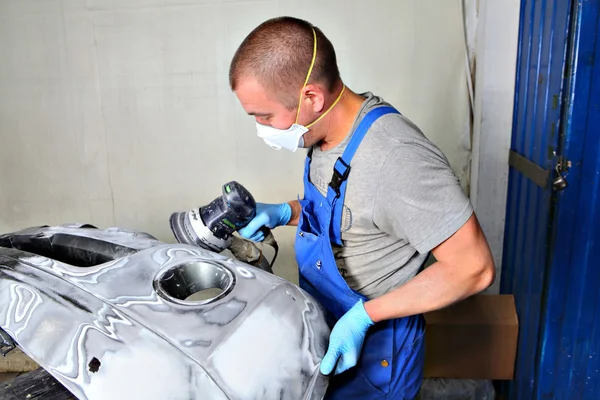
(391,362)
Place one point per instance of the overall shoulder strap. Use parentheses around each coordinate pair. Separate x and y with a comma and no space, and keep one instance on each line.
(341,169)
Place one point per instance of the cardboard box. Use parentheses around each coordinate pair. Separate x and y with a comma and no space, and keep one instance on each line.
(473,339)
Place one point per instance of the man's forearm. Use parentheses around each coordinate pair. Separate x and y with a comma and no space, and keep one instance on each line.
(296,209)
(465,267)
(436,287)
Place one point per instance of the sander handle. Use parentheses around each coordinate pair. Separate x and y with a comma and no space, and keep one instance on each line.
(270,241)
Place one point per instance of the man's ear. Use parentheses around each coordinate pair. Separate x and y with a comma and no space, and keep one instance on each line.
(315,97)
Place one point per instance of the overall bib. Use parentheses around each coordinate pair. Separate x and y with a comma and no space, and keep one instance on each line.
(391,362)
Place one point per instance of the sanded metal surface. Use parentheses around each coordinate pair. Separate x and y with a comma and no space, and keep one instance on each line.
(123,329)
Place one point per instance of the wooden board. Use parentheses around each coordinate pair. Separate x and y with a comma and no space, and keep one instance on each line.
(8,376)
(37,384)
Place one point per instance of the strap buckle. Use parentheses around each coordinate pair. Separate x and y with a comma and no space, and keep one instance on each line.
(338,178)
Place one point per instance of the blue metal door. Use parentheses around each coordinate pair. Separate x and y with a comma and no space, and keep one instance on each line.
(549,261)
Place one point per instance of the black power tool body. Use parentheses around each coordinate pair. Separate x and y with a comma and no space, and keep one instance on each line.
(212,226)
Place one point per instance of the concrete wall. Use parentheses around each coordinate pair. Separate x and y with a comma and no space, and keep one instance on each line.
(118,112)
(497,42)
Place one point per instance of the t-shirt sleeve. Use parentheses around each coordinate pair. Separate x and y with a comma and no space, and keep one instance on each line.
(419,197)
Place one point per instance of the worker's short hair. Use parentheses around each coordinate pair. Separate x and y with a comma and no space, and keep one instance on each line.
(278,54)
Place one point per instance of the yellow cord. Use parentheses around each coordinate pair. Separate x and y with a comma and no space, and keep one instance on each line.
(312,64)
(314,57)
(333,105)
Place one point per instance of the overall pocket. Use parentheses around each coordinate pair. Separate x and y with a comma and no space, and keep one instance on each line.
(308,247)
(411,359)
(309,223)
(377,359)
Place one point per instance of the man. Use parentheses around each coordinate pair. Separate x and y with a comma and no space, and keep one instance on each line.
(378,198)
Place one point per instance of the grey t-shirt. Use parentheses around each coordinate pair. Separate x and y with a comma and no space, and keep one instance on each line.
(402,200)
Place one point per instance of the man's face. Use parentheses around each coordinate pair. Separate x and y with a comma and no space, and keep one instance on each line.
(267,111)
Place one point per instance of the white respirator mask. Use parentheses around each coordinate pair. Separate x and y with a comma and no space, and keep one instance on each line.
(292,138)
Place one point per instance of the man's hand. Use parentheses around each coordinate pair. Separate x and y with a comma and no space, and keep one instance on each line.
(269,215)
(346,340)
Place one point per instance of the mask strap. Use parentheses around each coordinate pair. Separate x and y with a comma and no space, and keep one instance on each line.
(329,109)
(312,64)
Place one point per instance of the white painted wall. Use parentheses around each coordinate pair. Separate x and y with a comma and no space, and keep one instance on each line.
(118,112)
(497,42)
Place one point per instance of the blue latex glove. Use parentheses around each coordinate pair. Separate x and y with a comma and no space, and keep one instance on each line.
(269,215)
(346,340)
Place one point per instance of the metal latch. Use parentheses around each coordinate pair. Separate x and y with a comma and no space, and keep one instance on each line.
(560,182)
(539,175)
